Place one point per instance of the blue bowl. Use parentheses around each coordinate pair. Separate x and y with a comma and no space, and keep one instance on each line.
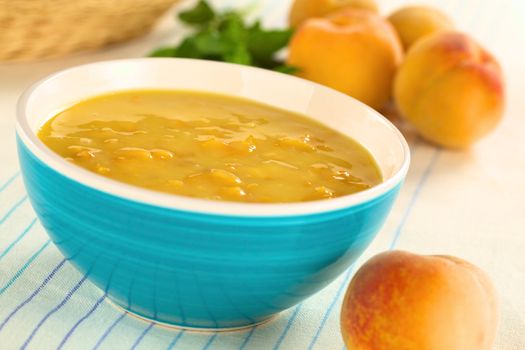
(199,263)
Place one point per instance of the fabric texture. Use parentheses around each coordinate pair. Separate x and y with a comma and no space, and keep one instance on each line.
(469,204)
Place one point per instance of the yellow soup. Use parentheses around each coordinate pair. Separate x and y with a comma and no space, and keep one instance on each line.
(210,146)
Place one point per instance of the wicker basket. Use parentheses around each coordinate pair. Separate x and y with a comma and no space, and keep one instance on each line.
(31,29)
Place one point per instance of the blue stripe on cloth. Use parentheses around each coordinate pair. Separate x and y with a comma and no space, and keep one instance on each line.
(80,320)
(93,309)
(210,341)
(52,311)
(247,339)
(35,293)
(17,239)
(287,328)
(395,239)
(24,267)
(13,209)
(9,182)
(175,340)
(141,336)
(110,328)
(349,274)
(415,197)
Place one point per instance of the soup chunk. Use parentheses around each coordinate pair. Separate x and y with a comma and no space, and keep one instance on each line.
(210,146)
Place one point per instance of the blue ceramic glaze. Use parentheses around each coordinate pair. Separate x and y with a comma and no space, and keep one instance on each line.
(196,269)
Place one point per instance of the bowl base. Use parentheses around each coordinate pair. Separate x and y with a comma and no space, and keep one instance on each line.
(179,327)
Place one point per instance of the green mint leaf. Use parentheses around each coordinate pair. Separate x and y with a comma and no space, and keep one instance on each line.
(286,69)
(163,52)
(213,43)
(233,28)
(239,55)
(225,36)
(200,14)
(188,49)
(263,44)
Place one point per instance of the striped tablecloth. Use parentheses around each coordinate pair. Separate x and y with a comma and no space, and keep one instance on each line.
(469,204)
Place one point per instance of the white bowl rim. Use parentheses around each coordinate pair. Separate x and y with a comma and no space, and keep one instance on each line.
(196,205)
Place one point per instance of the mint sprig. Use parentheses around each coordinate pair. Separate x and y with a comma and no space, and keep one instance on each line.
(225,36)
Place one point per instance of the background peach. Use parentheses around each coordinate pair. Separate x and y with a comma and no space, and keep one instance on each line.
(354,51)
(450,89)
(403,301)
(301,10)
(414,22)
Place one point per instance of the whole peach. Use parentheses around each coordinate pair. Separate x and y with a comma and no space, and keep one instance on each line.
(354,51)
(302,10)
(450,89)
(403,301)
(414,22)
